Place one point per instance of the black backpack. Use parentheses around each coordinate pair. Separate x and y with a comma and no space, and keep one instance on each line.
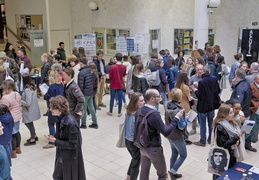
(141,135)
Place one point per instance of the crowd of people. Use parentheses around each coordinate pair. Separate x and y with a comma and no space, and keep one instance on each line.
(74,93)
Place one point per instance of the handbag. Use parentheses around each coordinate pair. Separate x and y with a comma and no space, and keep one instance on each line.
(241,149)
(219,158)
(121,141)
(7,76)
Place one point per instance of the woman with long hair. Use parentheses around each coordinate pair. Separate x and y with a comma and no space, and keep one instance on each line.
(30,108)
(139,82)
(74,63)
(9,50)
(229,135)
(182,83)
(12,99)
(56,88)
(136,102)
(179,61)
(238,57)
(173,72)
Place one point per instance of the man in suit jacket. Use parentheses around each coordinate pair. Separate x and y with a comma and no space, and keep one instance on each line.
(208,100)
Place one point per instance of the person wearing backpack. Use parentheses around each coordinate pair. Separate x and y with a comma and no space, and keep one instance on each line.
(163,81)
(136,102)
(154,151)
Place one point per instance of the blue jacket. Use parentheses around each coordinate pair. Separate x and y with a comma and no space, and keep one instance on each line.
(162,86)
(208,94)
(129,127)
(54,90)
(173,73)
(234,67)
(243,93)
(179,62)
(213,69)
(8,123)
(165,59)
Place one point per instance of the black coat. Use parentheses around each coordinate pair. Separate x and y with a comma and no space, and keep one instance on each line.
(223,140)
(139,84)
(68,143)
(44,72)
(87,81)
(208,94)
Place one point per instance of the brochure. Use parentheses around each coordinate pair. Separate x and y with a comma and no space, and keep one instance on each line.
(248,126)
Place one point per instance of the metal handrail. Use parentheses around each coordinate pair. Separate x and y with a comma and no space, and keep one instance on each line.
(17,37)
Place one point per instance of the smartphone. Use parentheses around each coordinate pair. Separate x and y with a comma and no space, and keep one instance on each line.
(183,114)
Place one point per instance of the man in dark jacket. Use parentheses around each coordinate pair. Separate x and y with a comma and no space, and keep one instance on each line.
(208,100)
(100,64)
(73,94)
(154,153)
(86,82)
(242,91)
(61,51)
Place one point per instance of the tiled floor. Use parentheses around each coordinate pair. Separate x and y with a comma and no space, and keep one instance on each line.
(103,160)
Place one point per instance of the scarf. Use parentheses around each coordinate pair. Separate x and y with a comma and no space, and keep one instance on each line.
(232,131)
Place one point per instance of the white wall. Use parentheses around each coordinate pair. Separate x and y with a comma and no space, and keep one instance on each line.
(25,7)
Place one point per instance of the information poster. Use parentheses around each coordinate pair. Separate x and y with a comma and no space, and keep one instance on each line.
(130,44)
(141,43)
(88,42)
(121,45)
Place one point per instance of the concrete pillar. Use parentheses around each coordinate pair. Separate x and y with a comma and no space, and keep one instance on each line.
(201,23)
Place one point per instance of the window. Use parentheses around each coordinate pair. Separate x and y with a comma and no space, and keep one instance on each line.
(154,41)
(106,39)
(183,40)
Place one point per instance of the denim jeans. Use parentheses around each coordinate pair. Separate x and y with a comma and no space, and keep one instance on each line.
(134,151)
(113,93)
(52,130)
(123,98)
(202,117)
(249,137)
(89,103)
(178,149)
(164,99)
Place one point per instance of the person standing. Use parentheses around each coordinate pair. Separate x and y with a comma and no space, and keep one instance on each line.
(61,51)
(69,162)
(45,68)
(23,58)
(20,46)
(12,99)
(56,88)
(117,72)
(100,64)
(30,108)
(254,107)
(239,57)
(208,100)
(136,102)
(86,82)
(165,59)
(154,152)
(73,94)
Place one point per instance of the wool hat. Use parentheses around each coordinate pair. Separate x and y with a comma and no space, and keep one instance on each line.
(2,54)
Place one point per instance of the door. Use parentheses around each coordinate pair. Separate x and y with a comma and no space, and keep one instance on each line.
(62,35)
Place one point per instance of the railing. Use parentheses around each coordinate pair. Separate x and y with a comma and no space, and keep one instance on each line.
(17,37)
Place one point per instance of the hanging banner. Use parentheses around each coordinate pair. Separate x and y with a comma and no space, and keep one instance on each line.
(250,45)
(88,42)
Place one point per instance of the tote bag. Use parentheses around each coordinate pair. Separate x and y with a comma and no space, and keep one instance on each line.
(121,141)
(219,157)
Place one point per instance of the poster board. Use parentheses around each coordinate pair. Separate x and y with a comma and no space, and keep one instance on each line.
(88,42)
(121,45)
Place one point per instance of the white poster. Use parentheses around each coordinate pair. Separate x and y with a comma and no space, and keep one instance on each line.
(141,43)
(88,42)
(121,45)
(38,43)
(155,44)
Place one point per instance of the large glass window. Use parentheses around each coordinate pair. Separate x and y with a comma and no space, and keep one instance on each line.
(106,39)
(154,40)
(211,36)
(183,40)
